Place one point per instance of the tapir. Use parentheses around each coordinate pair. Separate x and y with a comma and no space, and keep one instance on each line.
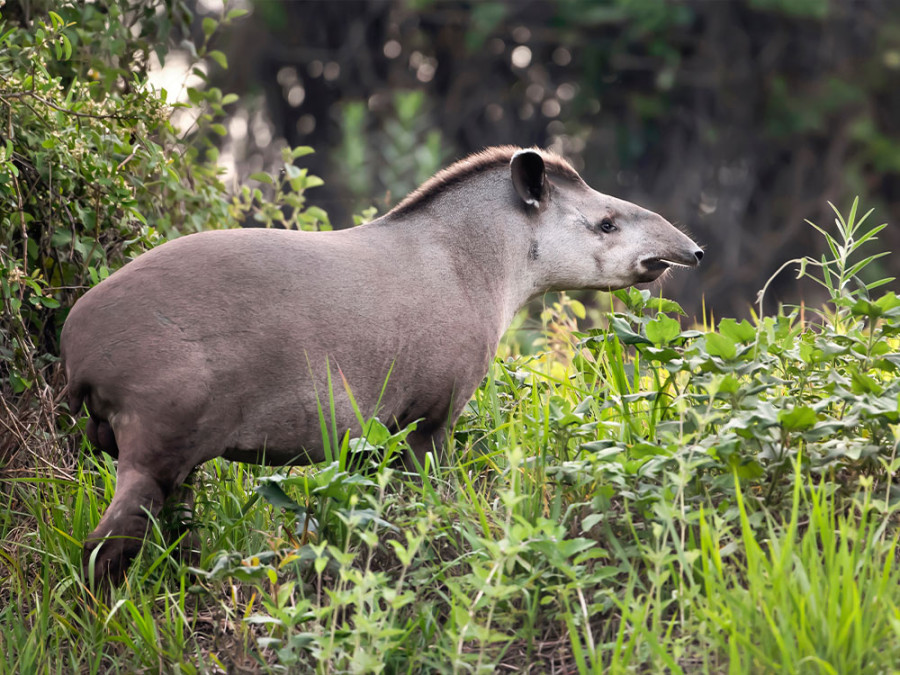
(232,343)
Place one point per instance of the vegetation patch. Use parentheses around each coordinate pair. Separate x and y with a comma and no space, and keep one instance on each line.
(645,496)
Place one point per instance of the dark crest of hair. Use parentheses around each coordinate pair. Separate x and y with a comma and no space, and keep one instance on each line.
(477,163)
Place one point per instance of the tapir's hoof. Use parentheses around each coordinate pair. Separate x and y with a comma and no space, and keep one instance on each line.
(112,560)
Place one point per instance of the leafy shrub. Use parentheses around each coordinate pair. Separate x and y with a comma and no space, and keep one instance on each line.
(630,486)
(93,172)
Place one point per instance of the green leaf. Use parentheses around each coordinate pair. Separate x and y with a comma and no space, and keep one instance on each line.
(863,384)
(209,26)
(625,334)
(866,308)
(262,177)
(727,384)
(272,493)
(870,234)
(5,36)
(375,432)
(853,270)
(641,450)
(665,305)
(888,301)
(200,73)
(720,345)
(301,150)
(317,213)
(797,419)
(739,332)
(880,282)
(577,308)
(230,98)
(746,469)
(662,330)
(195,96)
(19,383)
(236,14)
(218,129)
(220,58)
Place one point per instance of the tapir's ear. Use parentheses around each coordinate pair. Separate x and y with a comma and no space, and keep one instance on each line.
(529,176)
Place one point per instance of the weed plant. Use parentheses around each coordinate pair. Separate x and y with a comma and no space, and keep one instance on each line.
(642,497)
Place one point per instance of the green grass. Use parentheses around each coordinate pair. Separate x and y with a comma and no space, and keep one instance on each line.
(637,498)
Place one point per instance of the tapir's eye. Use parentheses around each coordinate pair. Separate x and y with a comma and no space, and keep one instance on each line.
(606,225)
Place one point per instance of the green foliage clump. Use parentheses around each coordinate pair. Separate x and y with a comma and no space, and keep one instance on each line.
(639,497)
(88,176)
(93,171)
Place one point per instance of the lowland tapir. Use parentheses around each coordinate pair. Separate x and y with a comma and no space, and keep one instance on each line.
(220,344)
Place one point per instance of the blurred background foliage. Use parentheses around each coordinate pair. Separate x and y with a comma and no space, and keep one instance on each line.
(737,119)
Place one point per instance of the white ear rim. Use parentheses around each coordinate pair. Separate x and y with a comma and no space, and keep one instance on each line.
(523,151)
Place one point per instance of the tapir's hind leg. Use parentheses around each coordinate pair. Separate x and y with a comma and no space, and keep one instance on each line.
(147,475)
(101,436)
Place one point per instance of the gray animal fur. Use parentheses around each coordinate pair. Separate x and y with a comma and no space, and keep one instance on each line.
(216,344)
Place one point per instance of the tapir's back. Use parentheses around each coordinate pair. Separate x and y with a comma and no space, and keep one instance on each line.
(214,287)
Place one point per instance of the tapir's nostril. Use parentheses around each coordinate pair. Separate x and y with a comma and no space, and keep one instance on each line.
(698,254)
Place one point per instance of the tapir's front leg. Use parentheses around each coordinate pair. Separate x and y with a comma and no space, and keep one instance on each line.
(424,439)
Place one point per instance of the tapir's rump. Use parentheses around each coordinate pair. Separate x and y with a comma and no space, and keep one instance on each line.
(223,343)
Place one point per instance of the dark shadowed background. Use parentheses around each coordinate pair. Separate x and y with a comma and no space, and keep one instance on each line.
(735,119)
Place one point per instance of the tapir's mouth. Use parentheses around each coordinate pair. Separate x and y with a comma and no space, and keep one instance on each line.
(654,268)
(656,264)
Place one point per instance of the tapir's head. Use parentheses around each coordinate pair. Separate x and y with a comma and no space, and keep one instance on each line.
(585,239)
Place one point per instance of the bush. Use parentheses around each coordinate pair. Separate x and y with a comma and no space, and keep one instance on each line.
(93,172)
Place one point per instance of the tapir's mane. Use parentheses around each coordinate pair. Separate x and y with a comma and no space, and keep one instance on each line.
(477,163)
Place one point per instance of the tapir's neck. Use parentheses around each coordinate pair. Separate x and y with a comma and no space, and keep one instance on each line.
(487,248)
